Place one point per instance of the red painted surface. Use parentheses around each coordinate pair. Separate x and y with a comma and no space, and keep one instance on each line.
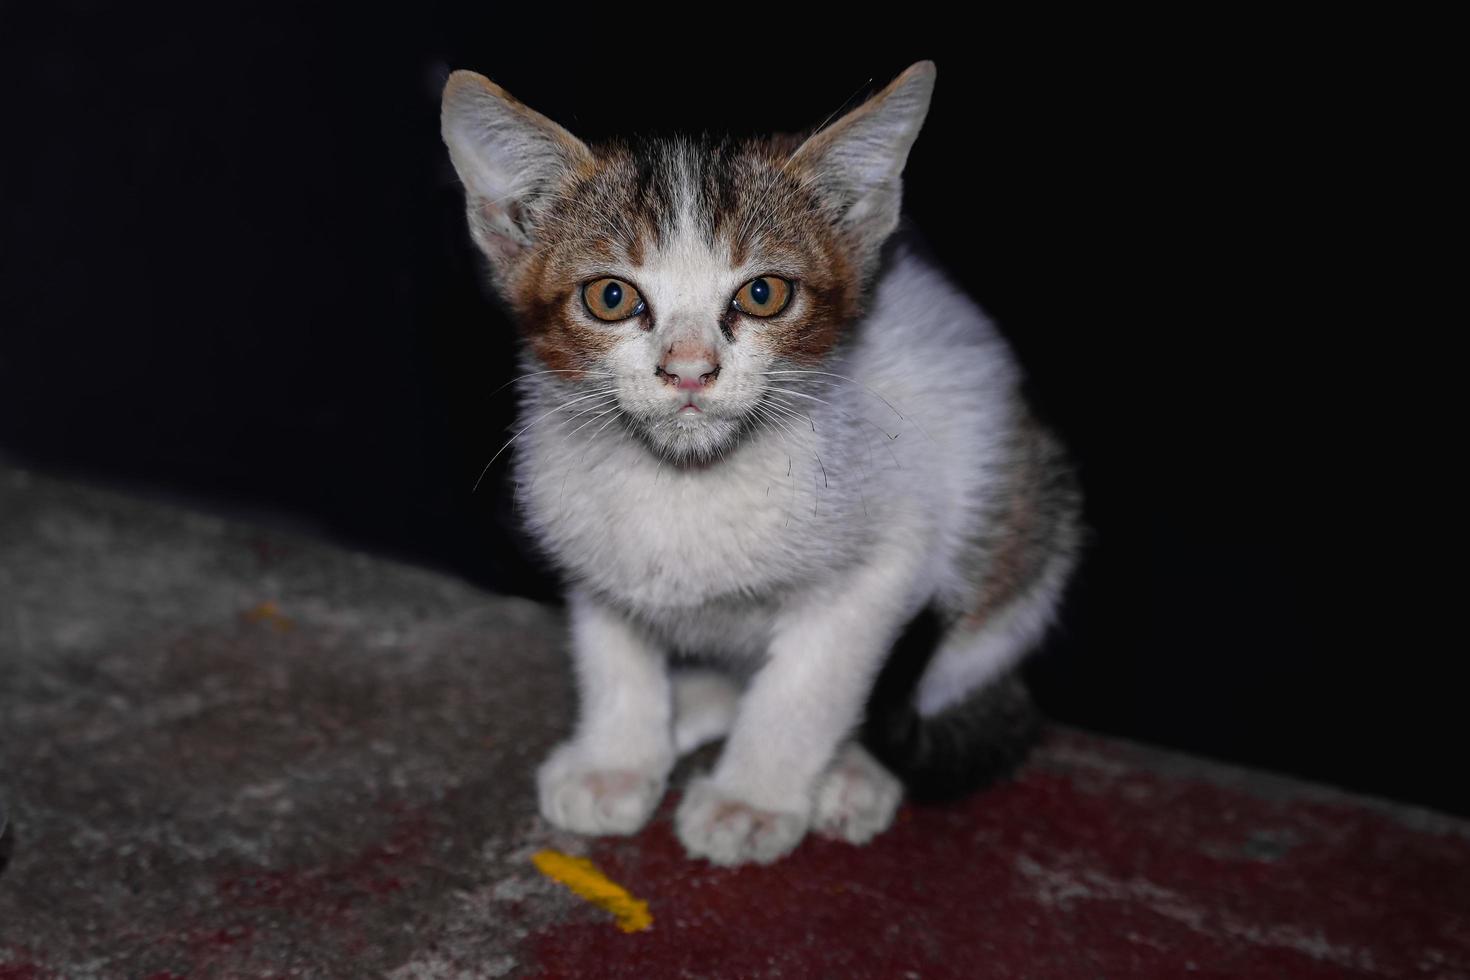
(23,965)
(330,889)
(1120,874)
(23,971)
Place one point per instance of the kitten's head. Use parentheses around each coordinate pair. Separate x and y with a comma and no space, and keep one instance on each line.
(680,272)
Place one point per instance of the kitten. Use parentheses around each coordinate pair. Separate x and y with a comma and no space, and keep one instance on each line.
(760,433)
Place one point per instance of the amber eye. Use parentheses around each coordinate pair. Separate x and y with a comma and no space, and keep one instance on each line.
(765,296)
(611,299)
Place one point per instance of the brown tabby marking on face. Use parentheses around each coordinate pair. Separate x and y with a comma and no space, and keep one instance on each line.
(786,219)
(546,300)
(745,197)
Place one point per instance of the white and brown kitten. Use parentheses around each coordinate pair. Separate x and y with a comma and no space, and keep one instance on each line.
(768,447)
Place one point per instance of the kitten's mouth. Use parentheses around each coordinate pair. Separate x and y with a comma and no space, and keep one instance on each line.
(690,434)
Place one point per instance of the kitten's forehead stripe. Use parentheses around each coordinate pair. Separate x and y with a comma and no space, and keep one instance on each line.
(653,196)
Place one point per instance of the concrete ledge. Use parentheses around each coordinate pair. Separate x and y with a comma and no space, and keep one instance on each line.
(231,752)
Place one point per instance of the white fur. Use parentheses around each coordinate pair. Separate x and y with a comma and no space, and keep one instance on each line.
(856,797)
(800,553)
(791,526)
(609,776)
(967,660)
(705,702)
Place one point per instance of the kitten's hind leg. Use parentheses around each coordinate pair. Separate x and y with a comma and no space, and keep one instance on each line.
(610,775)
(856,797)
(704,707)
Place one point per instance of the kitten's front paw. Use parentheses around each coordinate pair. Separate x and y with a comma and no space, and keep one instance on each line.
(856,797)
(717,826)
(586,799)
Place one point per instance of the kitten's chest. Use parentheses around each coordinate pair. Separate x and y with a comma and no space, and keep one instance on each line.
(660,537)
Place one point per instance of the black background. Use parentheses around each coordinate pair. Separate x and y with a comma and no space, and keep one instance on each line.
(235,273)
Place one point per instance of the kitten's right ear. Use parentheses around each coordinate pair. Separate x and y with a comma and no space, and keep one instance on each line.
(510,159)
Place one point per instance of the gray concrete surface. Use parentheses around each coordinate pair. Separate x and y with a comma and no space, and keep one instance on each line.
(210,732)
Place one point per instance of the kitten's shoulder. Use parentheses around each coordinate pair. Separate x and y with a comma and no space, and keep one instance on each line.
(917,306)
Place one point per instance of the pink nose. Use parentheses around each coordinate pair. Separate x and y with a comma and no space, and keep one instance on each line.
(688,368)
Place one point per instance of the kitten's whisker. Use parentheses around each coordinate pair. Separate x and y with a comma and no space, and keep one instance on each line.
(866,470)
(604,426)
(775,400)
(586,411)
(790,412)
(876,394)
(591,420)
(890,436)
(835,407)
(774,424)
(532,374)
(592,438)
(563,422)
(782,422)
(777,426)
(596,394)
(771,402)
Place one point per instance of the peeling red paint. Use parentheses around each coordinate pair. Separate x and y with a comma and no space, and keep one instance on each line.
(327,890)
(22,971)
(1061,874)
(24,964)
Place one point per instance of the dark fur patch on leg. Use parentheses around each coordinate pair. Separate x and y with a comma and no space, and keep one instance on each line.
(966,747)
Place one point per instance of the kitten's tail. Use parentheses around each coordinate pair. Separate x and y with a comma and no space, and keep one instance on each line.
(968,745)
(977,723)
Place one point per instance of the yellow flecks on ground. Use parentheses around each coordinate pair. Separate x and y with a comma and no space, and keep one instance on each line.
(269,612)
(582,877)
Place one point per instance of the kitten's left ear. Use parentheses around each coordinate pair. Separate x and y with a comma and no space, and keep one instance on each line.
(859,158)
(510,158)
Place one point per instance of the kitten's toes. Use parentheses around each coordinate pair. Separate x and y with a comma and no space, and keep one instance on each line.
(725,830)
(856,797)
(587,800)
